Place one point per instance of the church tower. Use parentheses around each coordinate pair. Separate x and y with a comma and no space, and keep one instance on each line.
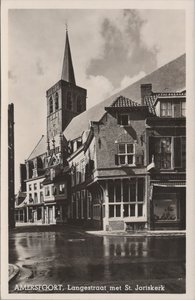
(65,99)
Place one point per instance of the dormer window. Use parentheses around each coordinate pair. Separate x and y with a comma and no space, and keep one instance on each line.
(175,108)
(56,101)
(123,119)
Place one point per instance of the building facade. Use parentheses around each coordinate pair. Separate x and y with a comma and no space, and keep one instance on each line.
(117,166)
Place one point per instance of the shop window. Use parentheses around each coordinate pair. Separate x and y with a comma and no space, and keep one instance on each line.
(123,119)
(111,211)
(69,100)
(132,190)
(126,154)
(118,190)
(165,207)
(140,210)
(140,190)
(82,203)
(132,210)
(111,191)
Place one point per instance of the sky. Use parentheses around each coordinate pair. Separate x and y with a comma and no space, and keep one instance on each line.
(110,50)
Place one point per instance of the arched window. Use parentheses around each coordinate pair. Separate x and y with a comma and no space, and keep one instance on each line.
(50,105)
(79,104)
(56,101)
(69,100)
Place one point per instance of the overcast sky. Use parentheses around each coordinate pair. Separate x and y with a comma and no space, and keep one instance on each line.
(110,50)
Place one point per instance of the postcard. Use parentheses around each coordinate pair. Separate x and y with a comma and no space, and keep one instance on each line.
(97,150)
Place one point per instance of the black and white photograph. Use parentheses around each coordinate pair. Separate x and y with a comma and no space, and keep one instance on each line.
(95,176)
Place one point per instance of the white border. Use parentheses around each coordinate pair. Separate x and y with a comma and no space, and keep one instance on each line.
(188,6)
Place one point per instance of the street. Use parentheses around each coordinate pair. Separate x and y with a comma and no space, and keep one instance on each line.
(70,257)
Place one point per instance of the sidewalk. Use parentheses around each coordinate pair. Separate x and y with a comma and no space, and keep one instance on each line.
(13,271)
(139,233)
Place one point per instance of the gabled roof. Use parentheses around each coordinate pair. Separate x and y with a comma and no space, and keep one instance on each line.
(39,149)
(124,102)
(170,77)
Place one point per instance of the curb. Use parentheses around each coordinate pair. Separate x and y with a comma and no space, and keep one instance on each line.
(13,271)
(136,234)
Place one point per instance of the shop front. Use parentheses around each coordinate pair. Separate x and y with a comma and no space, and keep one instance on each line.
(168,206)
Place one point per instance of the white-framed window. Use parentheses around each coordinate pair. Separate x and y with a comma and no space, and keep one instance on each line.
(126,154)
(175,108)
(123,119)
(126,197)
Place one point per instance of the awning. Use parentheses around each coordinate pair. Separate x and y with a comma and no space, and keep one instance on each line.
(170,184)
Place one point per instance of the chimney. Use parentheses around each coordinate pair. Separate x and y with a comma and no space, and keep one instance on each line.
(146,90)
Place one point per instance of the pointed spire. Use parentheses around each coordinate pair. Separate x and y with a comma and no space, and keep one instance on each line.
(67,69)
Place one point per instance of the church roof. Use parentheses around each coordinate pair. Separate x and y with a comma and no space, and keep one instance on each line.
(39,149)
(170,77)
(67,69)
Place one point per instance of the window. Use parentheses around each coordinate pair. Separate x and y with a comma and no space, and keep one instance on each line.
(61,189)
(89,199)
(169,152)
(166,109)
(126,154)
(166,207)
(78,174)
(82,203)
(41,197)
(163,153)
(30,187)
(126,197)
(77,204)
(47,191)
(79,104)
(123,119)
(35,186)
(40,185)
(69,100)
(56,101)
(183,109)
(83,170)
(50,105)
(35,198)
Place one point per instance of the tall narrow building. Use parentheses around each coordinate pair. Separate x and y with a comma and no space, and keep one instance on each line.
(11,179)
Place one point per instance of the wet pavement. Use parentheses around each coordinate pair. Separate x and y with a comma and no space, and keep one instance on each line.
(71,258)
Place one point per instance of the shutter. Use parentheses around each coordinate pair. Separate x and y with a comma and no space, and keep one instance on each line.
(116,160)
